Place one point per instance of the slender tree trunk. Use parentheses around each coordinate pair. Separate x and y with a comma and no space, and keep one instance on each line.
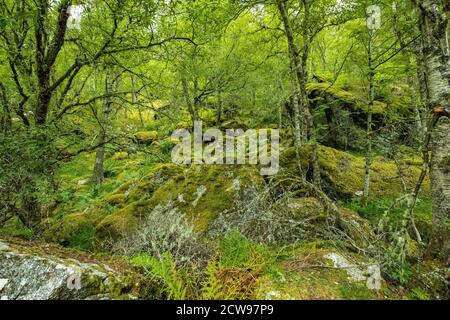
(369,119)
(6,119)
(219,108)
(99,171)
(434,14)
(409,80)
(301,113)
(440,178)
(308,119)
(189,103)
(135,100)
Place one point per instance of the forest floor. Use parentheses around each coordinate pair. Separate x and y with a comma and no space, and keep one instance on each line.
(91,221)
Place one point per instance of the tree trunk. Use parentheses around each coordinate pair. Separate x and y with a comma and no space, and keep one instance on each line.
(46,54)
(369,119)
(306,115)
(434,15)
(135,100)
(301,112)
(415,103)
(189,103)
(219,108)
(440,177)
(99,171)
(6,119)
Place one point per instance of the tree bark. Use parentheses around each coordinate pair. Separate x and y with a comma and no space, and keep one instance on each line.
(434,16)
(135,100)
(46,54)
(440,178)
(99,171)
(189,103)
(369,119)
(301,112)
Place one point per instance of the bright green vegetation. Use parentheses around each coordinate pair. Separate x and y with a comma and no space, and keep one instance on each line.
(86,122)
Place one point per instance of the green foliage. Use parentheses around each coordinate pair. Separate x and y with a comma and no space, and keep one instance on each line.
(419,294)
(401,272)
(235,250)
(174,281)
(27,163)
(14,231)
(375,209)
(212,286)
(83,239)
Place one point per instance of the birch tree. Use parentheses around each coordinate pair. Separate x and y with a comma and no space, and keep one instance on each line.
(435,49)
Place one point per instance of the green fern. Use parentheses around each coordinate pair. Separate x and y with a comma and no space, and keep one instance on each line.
(174,285)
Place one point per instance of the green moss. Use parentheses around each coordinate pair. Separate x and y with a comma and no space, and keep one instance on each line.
(202,192)
(83,239)
(118,224)
(394,104)
(115,199)
(357,228)
(119,156)
(73,229)
(307,208)
(343,174)
(335,92)
(146,137)
(355,291)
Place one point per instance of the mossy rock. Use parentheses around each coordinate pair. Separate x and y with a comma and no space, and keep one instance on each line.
(120,223)
(200,192)
(132,202)
(343,173)
(351,100)
(307,208)
(115,200)
(296,276)
(146,137)
(120,156)
(74,228)
(357,228)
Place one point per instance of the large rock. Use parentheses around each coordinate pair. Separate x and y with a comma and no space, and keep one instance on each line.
(146,137)
(200,192)
(41,272)
(343,173)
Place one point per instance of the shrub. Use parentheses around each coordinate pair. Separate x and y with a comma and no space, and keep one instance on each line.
(164,230)
(261,219)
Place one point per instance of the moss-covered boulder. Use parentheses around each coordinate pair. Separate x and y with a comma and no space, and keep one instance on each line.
(356,228)
(146,137)
(120,155)
(310,210)
(343,173)
(200,192)
(306,208)
(74,230)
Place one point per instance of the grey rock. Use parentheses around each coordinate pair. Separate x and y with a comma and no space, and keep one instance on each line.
(33,276)
(3,246)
